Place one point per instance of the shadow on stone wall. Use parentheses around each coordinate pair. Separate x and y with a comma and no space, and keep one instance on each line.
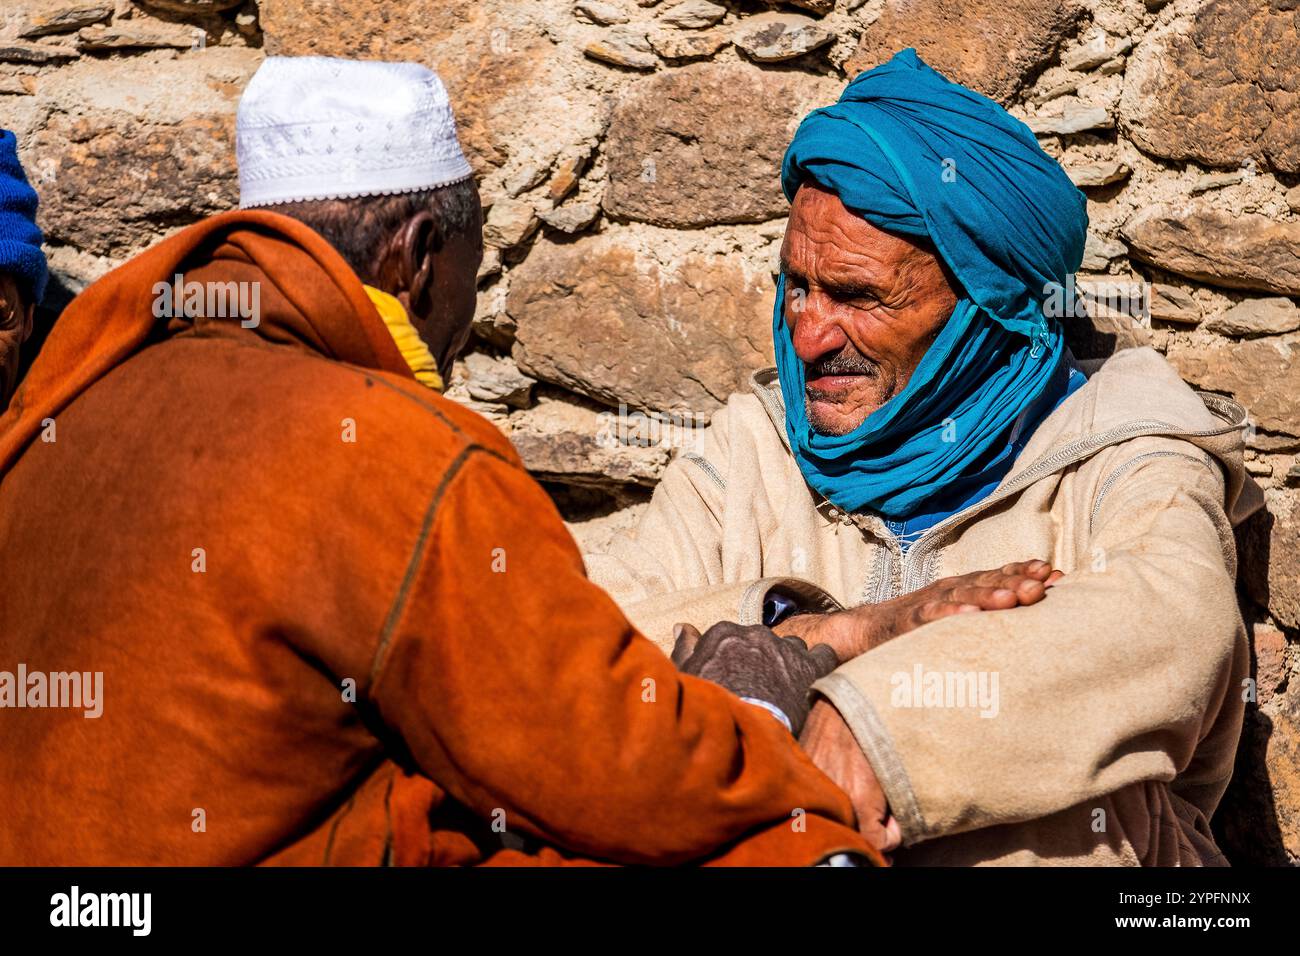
(1247,824)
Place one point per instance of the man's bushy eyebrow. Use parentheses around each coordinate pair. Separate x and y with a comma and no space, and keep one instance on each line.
(861,287)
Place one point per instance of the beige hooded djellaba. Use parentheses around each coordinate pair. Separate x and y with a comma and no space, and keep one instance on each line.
(1095,727)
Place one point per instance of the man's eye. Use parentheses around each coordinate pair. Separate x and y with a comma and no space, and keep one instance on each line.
(862,298)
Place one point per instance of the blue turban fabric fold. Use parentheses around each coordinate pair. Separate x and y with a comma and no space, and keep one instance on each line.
(20,239)
(919,155)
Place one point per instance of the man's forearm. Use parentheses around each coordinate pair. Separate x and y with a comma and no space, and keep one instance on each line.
(1115,678)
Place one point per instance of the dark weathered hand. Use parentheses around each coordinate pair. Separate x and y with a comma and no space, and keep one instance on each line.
(754,662)
(857,630)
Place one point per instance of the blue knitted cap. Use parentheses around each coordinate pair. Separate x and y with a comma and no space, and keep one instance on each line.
(20,238)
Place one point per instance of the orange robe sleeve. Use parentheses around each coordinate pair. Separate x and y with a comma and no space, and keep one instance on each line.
(519,687)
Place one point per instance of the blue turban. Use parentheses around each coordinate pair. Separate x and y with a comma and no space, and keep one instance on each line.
(20,239)
(919,155)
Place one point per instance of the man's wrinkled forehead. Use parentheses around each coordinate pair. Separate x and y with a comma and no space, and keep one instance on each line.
(829,242)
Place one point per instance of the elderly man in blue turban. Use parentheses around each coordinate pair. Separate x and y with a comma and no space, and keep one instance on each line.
(1026,572)
(22,263)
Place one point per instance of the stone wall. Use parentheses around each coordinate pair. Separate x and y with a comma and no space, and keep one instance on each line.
(628,152)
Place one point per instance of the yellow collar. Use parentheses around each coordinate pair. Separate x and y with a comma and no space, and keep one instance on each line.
(417,355)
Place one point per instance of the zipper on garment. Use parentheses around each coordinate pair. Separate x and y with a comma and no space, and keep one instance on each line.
(883,581)
(895,559)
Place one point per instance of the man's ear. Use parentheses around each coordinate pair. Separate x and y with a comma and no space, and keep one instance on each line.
(414,251)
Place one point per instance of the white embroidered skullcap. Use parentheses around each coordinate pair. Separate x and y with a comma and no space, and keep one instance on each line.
(317,127)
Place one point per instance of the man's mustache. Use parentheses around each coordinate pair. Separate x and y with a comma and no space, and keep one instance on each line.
(847,361)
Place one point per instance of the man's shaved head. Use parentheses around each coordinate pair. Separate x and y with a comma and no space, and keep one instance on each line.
(359,229)
(423,247)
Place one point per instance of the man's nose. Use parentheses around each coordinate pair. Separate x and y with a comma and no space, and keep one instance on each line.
(814,329)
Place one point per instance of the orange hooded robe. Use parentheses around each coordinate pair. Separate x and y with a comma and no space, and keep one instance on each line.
(337,622)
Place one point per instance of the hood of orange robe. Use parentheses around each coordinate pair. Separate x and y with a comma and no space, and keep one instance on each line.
(306,295)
